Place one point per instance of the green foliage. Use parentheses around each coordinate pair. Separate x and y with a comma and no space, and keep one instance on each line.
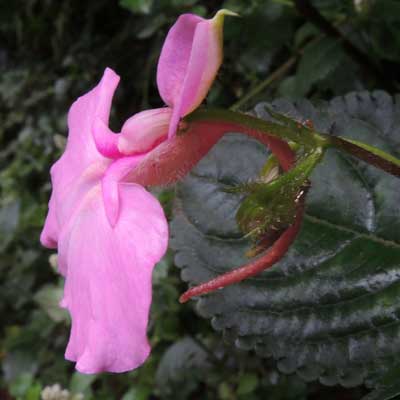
(138,6)
(320,59)
(387,386)
(48,298)
(329,309)
(382,21)
(179,368)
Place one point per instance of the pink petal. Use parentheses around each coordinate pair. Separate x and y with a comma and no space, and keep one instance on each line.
(108,284)
(106,140)
(174,58)
(49,234)
(110,185)
(144,131)
(174,158)
(189,61)
(81,165)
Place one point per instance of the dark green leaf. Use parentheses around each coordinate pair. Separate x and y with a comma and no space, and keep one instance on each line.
(319,59)
(21,384)
(9,216)
(247,384)
(387,386)
(330,309)
(385,393)
(137,6)
(305,32)
(80,383)
(180,368)
(137,394)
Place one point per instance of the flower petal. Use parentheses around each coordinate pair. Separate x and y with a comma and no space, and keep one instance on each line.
(175,56)
(105,139)
(189,61)
(110,185)
(144,131)
(108,283)
(81,164)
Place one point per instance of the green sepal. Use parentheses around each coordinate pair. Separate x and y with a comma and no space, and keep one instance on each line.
(272,205)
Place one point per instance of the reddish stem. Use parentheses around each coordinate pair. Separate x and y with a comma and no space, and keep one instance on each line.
(286,158)
(275,253)
(174,158)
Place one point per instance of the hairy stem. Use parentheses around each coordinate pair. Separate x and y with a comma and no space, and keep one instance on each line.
(369,154)
(291,131)
(273,255)
(266,82)
(300,135)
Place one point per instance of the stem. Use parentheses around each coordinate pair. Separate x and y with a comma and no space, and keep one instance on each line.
(277,73)
(266,82)
(301,135)
(369,154)
(276,252)
(296,132)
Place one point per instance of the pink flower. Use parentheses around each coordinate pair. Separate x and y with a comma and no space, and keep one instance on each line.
(109,231)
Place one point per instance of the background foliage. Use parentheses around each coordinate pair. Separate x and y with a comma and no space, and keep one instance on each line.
(51,52)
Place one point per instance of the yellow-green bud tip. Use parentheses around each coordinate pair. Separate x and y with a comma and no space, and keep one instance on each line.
(220,15)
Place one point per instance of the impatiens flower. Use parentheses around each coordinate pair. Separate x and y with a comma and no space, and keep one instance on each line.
(109,231)
(107,267)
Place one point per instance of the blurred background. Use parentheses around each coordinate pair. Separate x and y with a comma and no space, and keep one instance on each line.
(53,51)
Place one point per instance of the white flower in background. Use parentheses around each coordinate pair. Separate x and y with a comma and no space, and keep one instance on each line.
(56,392)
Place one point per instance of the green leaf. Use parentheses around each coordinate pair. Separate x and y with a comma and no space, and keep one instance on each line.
(305,32)
(225,391)
(330,309)
(247,384)
(9,217)
(320,58)
(385,393)
(387,386)
(21,385)
(382,29)
(80,383)
(180,369)
(18,366)
(137,394)
(49,297)
(33,393)
(137,6)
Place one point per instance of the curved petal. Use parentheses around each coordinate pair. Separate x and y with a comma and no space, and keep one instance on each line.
(189,61)
(81,163)
(105,139)
(110,185)
(49,234)
(108,284)
(144,131)
(174,57)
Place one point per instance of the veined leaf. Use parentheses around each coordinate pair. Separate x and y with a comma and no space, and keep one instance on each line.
(330,310)
(180,368)
(320,58)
